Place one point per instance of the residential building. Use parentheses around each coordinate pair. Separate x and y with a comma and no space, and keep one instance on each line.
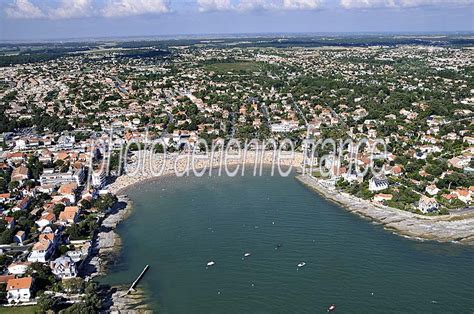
(19,290)
(63,267)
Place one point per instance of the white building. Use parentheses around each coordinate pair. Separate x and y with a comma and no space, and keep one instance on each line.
(98,178)
(66,142)
(19,289)
(81,250)
(57,178)
(63,267)
(284,126)
(427,204)
(378,184)
(18,268)
(432,189)
(44,248)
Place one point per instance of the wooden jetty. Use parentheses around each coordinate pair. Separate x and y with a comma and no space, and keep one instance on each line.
(134,284)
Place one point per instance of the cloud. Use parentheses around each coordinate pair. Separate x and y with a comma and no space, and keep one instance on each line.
(301,4)
(419,3)
(252,5)
(72,9)
(367,4)
(116,8)
(358,4)
(214,5)
(23,9)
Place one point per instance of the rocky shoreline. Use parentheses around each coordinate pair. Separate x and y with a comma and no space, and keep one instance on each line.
(107,242)
(107,247)
(129,303)
(458,228)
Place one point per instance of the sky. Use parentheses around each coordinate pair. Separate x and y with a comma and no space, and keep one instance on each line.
(30,20)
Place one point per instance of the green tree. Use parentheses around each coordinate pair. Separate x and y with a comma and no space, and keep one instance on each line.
(47,302)
(91,302)
(13,185)
(57,209)
(74,285)
(42,274)
(86,204)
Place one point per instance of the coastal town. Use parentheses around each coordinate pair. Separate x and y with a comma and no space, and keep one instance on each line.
(73,123)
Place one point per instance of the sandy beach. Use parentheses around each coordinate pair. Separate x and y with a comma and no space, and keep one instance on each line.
(176,164)
(457,228)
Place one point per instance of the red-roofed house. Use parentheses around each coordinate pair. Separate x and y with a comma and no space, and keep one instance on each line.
(19,289)
(69,215)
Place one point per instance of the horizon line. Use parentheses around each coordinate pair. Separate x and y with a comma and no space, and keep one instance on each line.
(228,36)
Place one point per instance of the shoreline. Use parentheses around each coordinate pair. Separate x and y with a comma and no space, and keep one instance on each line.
(107,246)
(108,243)
(452,228)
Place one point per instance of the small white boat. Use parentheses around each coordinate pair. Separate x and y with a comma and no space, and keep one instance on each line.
(332,308)
(211,263)
(301,264)
(247,254)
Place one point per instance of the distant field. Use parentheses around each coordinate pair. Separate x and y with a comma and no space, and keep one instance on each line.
(20,309)
(235,67)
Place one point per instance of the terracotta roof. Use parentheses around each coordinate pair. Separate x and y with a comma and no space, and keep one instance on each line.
(396,169)
(46,237)
(19,283)
(62,155)
(449,196)
(71,209)
(462,192)
(68,216)
(384,196)
(16,155)
(20,171)
(49,216)
(68,188)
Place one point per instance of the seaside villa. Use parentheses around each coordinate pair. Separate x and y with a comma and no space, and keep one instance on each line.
(63,267)
(378,184)
(427,204)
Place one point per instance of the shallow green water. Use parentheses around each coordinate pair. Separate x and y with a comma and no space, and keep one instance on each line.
(179,224)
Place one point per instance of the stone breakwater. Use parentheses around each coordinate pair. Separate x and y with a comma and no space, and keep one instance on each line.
(447,228)
(174,163)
